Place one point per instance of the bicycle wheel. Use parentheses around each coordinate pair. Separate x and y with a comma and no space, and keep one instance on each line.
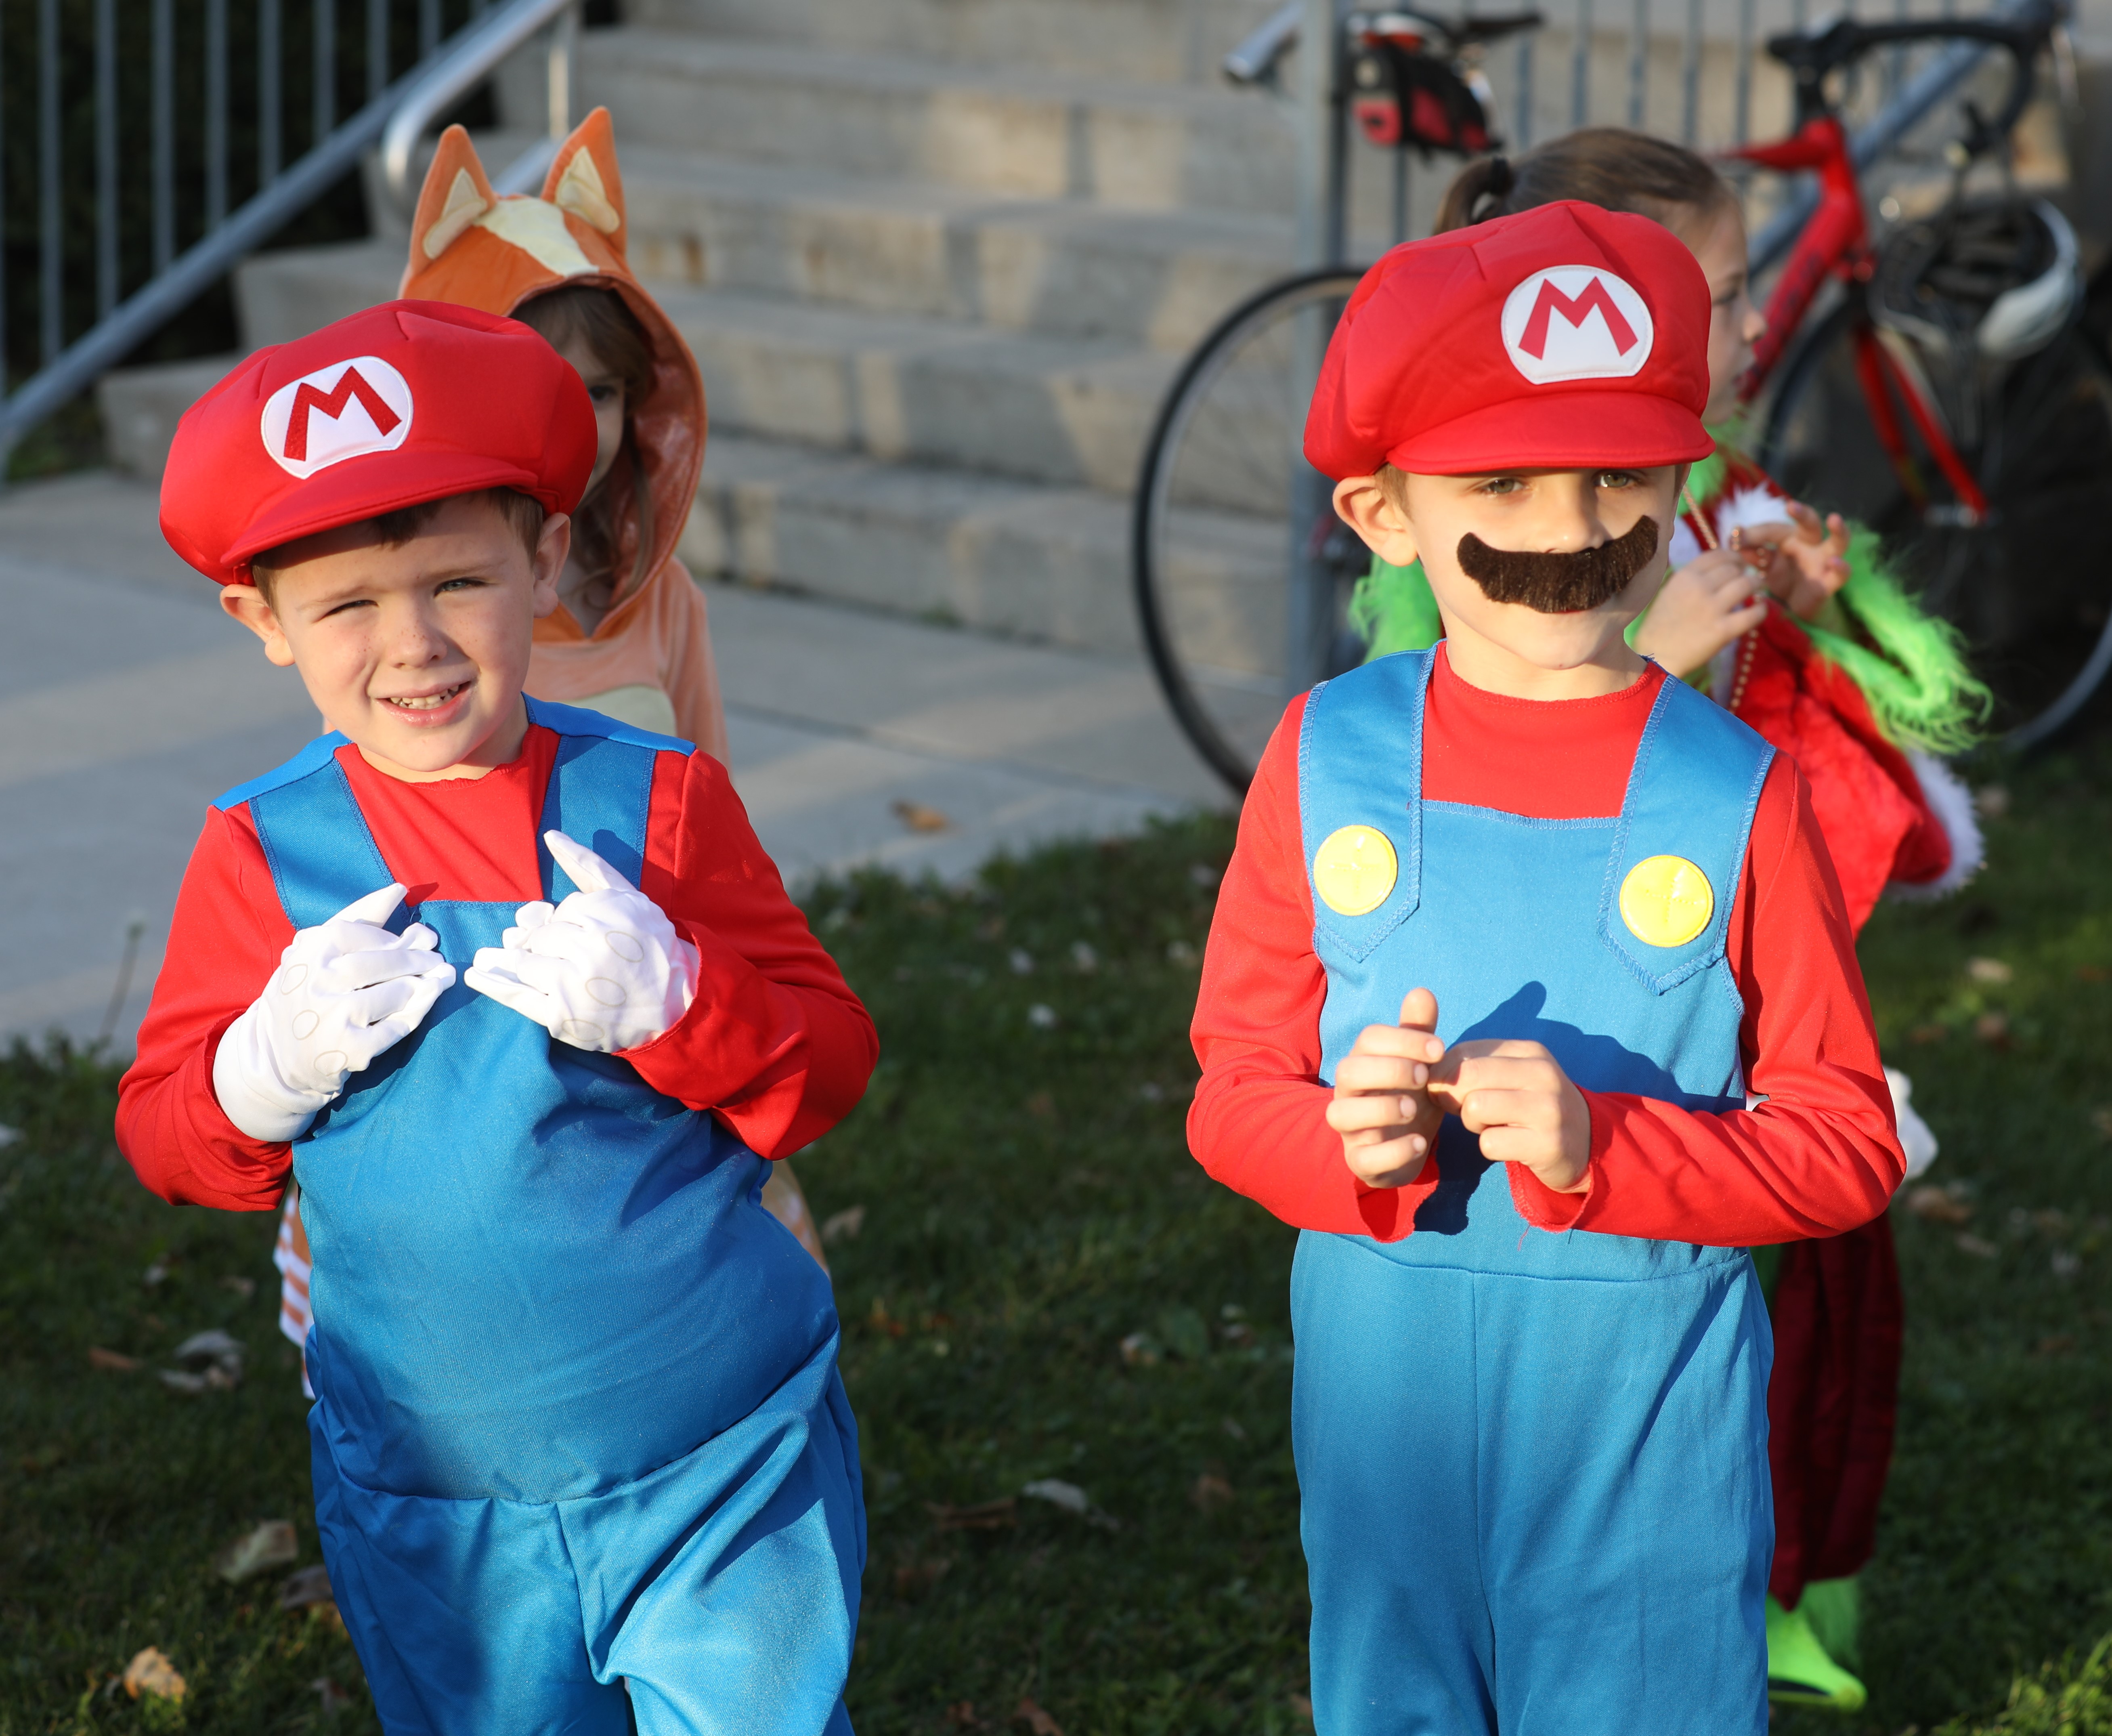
(2029,585)
(1242,570)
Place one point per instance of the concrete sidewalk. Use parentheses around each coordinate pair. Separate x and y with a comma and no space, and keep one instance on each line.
(128,701)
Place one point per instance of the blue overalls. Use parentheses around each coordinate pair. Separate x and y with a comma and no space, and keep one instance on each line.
(1533,1465)
(581,1453)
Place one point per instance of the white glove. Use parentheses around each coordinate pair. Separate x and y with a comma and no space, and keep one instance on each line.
(344,991)
(605,970)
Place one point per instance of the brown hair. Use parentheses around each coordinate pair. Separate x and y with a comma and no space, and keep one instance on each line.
(612,331)
(1609,166)
(523,515)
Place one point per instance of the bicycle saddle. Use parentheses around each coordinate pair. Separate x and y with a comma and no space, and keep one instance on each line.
(1493,27)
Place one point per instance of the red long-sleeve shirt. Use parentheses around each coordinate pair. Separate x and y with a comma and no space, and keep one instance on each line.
(1817,1157)
(775,1045)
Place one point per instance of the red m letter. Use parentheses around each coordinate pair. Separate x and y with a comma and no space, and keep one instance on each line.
(351,385)
(1552,300)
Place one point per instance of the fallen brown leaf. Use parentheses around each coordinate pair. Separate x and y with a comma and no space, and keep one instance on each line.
(244,1287)
(2102,1119)
(988,1516)
(1210,1492)
(2092,974)
(258,1550)
(1041,1104)
(1935,1204)
(150,1672)
(1979,1246)
(1026,1712)
(100,1358)
(912,1577)
(918,818)
(1993,1029)
(306,1589)
(1927,1034)
(842,1225)
(1302,1707)
(961,1715)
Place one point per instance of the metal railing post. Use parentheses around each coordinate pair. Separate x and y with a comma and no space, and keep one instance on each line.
(215,113)
(1690,75)
(164,107)
(268,143)
(325,15)
(1580,66)
(377,47)
(1638,60)
(105,157)
(51,218)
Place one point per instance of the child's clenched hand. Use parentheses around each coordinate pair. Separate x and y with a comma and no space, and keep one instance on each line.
(1382,1106)
(1805,562)
(1515,1095)
(1706,603)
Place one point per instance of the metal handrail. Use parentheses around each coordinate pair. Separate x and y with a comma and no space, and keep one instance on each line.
(123,325)
(455,73)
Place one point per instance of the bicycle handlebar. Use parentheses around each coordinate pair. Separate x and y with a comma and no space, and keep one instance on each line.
(1811,57)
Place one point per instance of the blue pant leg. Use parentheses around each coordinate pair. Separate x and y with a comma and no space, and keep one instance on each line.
(724,1588)
(1630,1521)
(465,1614)
(1383,1427)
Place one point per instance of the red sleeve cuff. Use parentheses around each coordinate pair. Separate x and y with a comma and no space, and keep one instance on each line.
(1539,1204)
(1389,1212)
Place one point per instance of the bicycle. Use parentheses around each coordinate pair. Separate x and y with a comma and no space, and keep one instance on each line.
(1232,628)
(1950,400)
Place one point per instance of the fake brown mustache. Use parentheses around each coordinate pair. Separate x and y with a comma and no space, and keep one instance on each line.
(1559,584)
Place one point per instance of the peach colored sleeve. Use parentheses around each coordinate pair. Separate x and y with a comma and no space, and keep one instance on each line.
(688,671)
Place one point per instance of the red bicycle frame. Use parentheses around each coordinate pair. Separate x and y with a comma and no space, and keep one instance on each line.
(1836,243)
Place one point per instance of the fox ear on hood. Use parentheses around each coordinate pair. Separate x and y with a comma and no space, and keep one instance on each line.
(456,194)
(585,181)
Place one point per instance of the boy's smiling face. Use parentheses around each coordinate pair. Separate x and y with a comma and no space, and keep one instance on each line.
(1508,647)
(417,652)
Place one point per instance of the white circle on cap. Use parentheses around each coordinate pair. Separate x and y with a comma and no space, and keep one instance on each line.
(344,411)
(1577,322)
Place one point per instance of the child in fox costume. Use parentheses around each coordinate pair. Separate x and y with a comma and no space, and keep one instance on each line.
(1796,627)
(629,637)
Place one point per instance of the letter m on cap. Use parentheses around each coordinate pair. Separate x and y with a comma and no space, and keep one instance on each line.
(344,411)
(1577,322)
(351,384)
(1576,309)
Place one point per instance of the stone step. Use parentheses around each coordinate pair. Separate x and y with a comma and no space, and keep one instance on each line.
(1165,41)
(1066,266)
(1045,563)
(1017,131)
(1068,411)
(1062,266)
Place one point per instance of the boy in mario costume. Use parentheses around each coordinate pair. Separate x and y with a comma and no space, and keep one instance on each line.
(514,991)
(1531,1000)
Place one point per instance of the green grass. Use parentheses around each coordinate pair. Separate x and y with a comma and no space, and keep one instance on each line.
(1029,1205)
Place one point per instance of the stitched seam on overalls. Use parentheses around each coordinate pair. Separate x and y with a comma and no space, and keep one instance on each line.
(1364,1245)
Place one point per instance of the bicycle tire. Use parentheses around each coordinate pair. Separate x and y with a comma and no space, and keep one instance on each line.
(2038,627)
(1153,509)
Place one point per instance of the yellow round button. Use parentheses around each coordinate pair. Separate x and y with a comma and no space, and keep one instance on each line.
(1355,869)
(1666,900)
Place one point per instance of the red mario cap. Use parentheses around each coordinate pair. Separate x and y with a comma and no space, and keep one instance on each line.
(1565,335)
(407,401)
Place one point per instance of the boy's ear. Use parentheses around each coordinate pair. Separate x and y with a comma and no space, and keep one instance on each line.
(456,193)
(246,603)
(1365,506)
(585,181)
(553,546)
